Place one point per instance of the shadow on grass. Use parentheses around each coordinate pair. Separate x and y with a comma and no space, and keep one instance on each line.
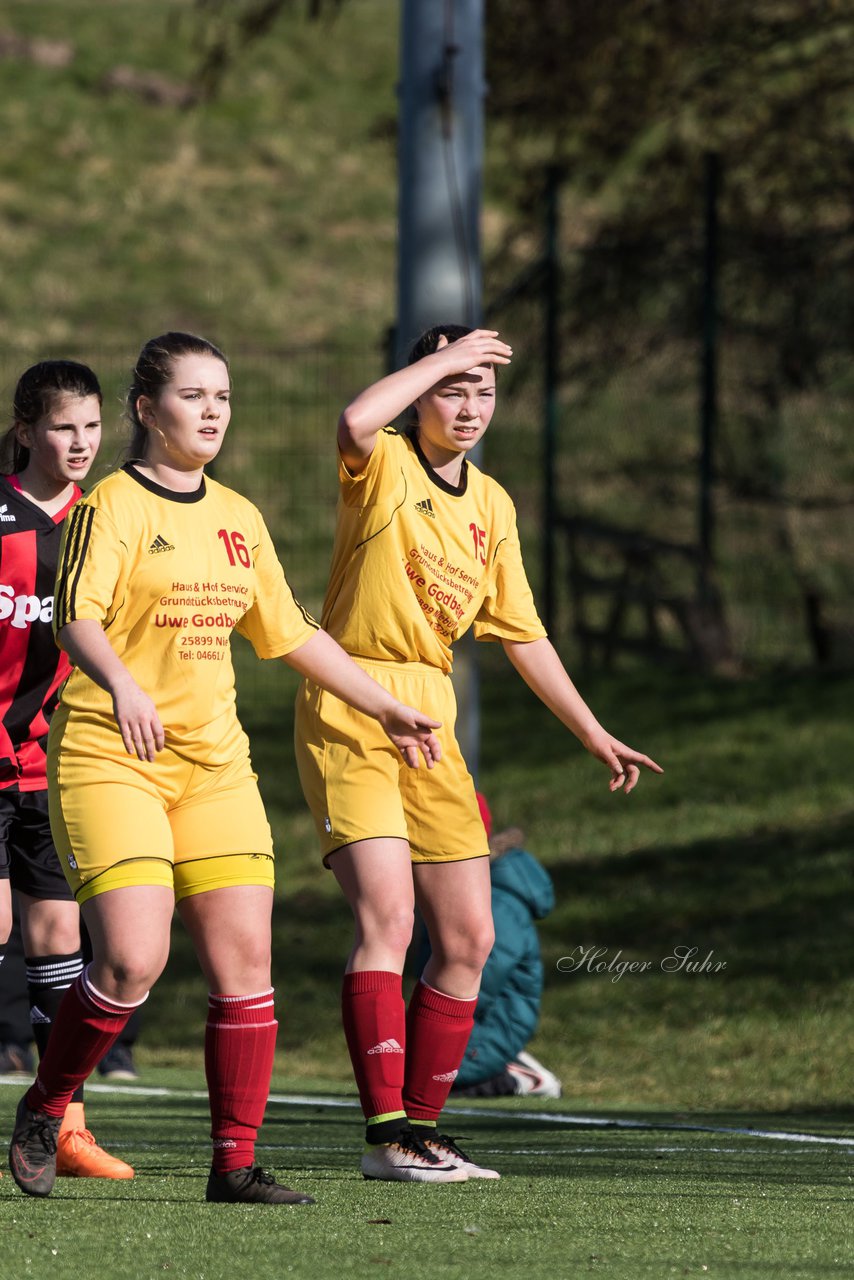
(776,908)
(640,1153)
(662,703)
(772,906)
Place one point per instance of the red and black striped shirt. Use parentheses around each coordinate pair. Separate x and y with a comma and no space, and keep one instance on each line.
(32,668)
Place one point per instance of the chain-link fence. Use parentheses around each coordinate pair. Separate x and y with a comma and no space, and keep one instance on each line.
(629,559)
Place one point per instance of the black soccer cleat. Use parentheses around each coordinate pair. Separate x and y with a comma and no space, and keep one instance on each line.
(32,1153)
(251,1185)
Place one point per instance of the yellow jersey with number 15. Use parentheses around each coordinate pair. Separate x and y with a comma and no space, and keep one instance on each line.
(170,576)
(417,561)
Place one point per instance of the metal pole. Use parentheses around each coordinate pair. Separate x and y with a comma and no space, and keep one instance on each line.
(442,89)
(440,163)
(551,370)
(709,375)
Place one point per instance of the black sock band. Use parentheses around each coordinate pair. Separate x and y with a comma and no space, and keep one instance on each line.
(385,1131)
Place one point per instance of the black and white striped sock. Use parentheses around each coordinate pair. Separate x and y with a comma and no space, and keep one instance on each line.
(48,979)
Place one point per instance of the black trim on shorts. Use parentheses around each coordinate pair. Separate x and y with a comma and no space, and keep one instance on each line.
(121,863)
(203,857)
(171,495)
(437,862)
(332,852)
(359,840)
(211,857)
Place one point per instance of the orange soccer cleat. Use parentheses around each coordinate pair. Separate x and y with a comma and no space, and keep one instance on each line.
(78,1154)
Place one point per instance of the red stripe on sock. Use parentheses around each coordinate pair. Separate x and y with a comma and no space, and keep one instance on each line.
(374,1017)
(240,1041)
(437,1032)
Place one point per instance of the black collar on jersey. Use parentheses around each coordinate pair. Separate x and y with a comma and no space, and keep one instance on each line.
(171,495)
(456,490)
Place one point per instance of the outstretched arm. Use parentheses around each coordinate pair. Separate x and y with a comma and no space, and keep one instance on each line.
(542,670)
(136,715)
(379,404)
(326,663)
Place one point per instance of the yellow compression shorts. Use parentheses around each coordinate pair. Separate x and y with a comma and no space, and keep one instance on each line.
(358,786)
(118,821)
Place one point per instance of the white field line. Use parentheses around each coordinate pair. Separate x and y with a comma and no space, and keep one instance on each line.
(542,1117)
(567,1152)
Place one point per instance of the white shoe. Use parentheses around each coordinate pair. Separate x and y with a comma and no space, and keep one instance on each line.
(408,1160)
(449,1153)
(532,1079)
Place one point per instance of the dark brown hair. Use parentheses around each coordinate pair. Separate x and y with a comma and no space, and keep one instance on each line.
(152,372)
(429,340)
(39,389)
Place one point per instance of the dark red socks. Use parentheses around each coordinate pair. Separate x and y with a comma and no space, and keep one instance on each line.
(240,1040)
(437,1032)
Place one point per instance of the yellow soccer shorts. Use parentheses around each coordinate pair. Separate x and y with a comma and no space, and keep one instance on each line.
(358,786)
(118,821)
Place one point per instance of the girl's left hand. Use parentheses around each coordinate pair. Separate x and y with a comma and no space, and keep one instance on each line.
(412,733)
(624,762)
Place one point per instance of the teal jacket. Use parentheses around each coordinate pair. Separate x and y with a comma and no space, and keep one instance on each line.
(508,1007)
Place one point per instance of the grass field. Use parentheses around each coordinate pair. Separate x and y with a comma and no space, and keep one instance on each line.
(743,848)
(657,1167)
(624,1196)
(266,219)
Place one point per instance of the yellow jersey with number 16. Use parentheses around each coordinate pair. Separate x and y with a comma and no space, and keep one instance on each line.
(170,576)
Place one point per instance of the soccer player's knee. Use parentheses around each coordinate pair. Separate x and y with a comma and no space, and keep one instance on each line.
(59,937)
(484,942)
(469,947)
(394,925)
(128,980)
(251,965)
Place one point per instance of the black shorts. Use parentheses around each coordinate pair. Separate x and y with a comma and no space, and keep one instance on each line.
(27,854)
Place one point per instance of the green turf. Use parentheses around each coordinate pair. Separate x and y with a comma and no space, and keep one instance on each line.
(718,853)
(576,1199)
(743,848)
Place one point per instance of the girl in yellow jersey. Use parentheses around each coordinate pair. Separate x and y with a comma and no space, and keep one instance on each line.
(426,547)
(153,798)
